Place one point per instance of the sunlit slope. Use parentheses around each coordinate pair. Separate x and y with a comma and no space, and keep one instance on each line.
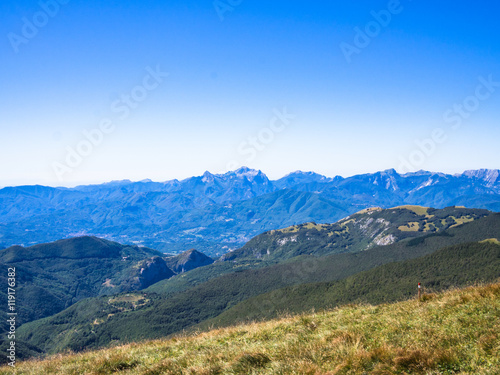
(452,333)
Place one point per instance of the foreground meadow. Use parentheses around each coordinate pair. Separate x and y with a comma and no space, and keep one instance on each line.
(456,332)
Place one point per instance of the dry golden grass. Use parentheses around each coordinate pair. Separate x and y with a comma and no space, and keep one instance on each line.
(462,220)
(491,240)
(419,210)
(367,210)
(451,333)
(413,226)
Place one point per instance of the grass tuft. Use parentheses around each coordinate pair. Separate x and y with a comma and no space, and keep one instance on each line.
(246,362)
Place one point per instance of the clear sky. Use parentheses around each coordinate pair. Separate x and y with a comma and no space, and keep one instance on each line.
(168,89)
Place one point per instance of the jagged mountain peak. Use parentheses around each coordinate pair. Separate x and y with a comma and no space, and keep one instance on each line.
(118,182)
(240,173)
(303,173)
(248,173)
(480,172)
(302,178)
(390,171)
(387,179)
(244,170)
(171,182)
(418,173)
(207,177)
(490,176)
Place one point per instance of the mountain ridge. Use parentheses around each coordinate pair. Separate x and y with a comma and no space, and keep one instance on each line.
(482,174)
(220,212)
(55,275)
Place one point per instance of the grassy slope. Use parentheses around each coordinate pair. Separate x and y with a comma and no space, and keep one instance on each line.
(458,265)
(75,329)
(321,240)
(457,332)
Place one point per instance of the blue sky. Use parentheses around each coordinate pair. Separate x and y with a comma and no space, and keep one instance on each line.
(167,90)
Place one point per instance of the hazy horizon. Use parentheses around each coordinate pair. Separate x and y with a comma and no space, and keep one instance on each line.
(271,178)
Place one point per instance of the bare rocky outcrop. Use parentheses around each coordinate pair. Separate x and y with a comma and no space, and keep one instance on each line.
(151,271)
(188,260)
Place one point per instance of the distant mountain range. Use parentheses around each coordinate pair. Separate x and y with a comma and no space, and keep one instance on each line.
(216,213)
